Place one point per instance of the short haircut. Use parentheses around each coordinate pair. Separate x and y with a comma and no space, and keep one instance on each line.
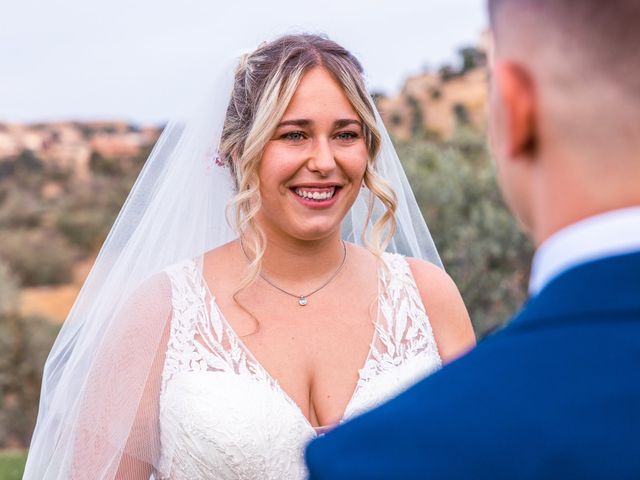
(599,37)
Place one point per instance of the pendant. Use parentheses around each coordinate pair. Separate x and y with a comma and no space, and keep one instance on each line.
(302,301)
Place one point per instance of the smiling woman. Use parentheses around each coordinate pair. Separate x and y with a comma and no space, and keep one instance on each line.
(204,351)
(312,169)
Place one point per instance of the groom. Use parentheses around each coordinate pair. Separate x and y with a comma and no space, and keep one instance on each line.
(555,394)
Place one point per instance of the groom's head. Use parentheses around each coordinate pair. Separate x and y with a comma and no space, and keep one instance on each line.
(565,108)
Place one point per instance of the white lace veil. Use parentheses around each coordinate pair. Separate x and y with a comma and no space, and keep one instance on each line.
(99,403)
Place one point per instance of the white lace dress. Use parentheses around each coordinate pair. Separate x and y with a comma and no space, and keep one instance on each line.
(221,414)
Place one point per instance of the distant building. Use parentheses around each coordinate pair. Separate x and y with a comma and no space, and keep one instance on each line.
(69,146)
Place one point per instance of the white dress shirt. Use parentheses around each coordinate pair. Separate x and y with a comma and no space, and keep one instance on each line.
(605,235)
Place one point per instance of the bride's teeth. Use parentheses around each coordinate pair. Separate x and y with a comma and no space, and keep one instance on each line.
(315,195)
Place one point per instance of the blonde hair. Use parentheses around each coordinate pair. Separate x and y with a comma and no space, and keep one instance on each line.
(265,82)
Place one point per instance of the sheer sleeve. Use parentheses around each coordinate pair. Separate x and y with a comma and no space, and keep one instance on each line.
(117,434)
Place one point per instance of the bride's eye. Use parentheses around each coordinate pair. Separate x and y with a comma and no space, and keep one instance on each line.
(347,136)
(293,136)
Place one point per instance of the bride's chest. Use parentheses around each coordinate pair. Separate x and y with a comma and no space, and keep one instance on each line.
(240,425)
(222,413)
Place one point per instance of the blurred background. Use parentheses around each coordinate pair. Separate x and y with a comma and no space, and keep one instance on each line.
(86,88)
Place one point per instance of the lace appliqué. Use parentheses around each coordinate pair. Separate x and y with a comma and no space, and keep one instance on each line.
(200,340)
(221,413)
(404,349)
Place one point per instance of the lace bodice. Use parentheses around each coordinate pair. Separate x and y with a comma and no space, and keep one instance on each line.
(223,416)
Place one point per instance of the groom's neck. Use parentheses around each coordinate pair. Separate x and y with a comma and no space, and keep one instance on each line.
(573,191)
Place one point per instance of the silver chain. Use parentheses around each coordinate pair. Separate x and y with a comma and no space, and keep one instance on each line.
(302,299)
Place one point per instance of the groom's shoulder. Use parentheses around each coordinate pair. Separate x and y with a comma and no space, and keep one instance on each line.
(482,378)
(447,416)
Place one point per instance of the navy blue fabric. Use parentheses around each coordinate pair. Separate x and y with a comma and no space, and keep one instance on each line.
(554,395)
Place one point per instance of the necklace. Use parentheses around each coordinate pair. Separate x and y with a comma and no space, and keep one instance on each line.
(302,299)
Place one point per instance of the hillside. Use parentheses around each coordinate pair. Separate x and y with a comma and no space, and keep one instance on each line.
(434,104)
(71,147)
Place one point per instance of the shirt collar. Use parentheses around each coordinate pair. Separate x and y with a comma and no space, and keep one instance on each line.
(608,234)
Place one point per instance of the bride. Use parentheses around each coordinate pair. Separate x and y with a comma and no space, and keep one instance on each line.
(187,365)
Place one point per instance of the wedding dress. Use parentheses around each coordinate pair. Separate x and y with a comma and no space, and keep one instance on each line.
(223,416)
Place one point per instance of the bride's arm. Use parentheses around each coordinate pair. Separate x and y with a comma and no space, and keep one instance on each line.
(447,313)
(142,450)
(117,431)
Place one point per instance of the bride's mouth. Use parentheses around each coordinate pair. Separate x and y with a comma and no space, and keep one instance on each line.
(316,196)
(319,194)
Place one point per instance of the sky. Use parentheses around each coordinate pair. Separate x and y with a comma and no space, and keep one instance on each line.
(139,60)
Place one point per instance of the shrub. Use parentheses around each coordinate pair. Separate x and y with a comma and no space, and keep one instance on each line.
(479,242)
(85,228)
(84,217)
(19,208)
(24,346)
(9,290)
(37,256)
(106,166)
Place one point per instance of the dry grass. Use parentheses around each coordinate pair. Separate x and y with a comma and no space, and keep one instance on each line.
(54,302)
(50,302)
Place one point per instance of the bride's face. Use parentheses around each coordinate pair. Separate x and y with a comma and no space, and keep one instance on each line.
(312,168)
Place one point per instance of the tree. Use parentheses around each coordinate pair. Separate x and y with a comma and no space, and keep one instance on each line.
(480,244)
(37,256)
(9,289)
(24,346)
(471,58)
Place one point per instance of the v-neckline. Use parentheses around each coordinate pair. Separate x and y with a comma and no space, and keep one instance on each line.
(317,431)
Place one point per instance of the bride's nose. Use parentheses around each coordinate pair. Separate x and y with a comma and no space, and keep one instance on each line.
(322,159)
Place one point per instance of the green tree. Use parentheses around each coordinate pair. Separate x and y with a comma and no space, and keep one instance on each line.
(24,346)
(471,58)
(37,256)
(481,245)
(9,290)
(19,207)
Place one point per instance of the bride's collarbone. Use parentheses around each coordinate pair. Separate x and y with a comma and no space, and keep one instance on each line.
(327,340)
(313,352)
(320,320)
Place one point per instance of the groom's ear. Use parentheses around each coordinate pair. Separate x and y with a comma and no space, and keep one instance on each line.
(517,96)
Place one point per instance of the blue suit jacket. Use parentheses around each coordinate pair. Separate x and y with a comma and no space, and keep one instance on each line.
(554,395)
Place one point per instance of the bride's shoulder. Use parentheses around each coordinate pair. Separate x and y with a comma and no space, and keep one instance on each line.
(191,267)
(444,306)
(436,287)
(220,255)
(158,288)
(429,278)
(427,273)
(155,289)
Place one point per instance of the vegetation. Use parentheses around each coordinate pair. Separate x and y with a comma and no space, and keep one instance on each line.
(12,464)
(9,289)
(42,236)
(24,346)
(38,256)
(480,244)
